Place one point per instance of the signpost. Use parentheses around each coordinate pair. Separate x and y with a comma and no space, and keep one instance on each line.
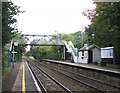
(14,44)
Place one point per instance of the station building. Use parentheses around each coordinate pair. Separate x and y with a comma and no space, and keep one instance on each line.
(89,54)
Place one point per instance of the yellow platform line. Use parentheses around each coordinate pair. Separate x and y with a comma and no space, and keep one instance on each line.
(23,79)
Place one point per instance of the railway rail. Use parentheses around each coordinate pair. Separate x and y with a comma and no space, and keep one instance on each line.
(57,85)
(107,76)
(73,87)
(91,82)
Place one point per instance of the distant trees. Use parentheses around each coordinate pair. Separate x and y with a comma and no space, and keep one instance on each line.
(66,37)
(56,52)
(80,38)
(105,28)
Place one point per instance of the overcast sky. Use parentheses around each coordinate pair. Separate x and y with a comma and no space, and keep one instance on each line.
(47,16)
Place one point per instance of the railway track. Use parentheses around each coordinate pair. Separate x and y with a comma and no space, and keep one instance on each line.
(91,82)
(94,84)
(85,88)
(56,86)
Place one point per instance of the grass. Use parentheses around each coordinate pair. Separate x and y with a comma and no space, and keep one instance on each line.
(6,69)
(112,65)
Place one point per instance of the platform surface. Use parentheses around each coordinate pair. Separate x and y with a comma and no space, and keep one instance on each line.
(91,66)
(12,81)
(24,80)
(9,78)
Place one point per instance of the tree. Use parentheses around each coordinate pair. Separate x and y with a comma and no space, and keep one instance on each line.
(80,38)
(64,37)
(106,26)
(9,30)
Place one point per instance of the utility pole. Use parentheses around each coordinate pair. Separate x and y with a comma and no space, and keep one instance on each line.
(82,30)
(58,36)
(87,38)
(58,43)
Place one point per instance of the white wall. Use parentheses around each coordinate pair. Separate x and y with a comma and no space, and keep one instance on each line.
(96,56)
(84,60)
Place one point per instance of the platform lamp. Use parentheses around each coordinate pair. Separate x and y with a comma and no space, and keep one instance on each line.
(58,41)
(15,44)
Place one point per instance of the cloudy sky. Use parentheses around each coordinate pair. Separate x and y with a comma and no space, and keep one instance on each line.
(47,16)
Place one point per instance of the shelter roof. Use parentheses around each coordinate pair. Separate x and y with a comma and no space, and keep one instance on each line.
(89,48)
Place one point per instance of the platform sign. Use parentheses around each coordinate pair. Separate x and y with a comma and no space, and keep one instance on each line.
(107,52)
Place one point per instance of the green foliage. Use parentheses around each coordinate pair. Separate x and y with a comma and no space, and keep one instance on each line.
(4,61)
(65,37)
(9,10)
(21,51)
(9,30)
(79,39)
(41,52)
(106,26)
(56,52)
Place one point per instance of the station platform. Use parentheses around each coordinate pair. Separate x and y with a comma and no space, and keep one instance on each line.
(24,79)
(88,66)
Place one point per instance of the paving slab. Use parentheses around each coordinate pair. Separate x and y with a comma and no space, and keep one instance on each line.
(9,79)
(18,82)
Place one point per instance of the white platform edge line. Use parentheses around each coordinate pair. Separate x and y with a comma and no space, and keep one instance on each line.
(35,82)
(117,72)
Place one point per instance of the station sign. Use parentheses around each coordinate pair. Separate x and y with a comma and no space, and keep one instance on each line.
(107,52)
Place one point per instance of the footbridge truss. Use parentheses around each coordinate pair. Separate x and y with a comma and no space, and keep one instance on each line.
(39,40)
(33,40)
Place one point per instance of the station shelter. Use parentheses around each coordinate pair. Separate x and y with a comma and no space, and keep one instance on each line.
(89,54)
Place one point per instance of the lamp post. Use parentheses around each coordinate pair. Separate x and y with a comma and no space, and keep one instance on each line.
(58,36)
(87,38)
(93,37)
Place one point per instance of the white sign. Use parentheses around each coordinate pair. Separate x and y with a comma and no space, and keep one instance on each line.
(14,52)
(85,45)
(76,50)
(15,43)
(107,52)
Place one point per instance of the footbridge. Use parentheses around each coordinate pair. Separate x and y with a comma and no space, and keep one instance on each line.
(41,40)
(33,40)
